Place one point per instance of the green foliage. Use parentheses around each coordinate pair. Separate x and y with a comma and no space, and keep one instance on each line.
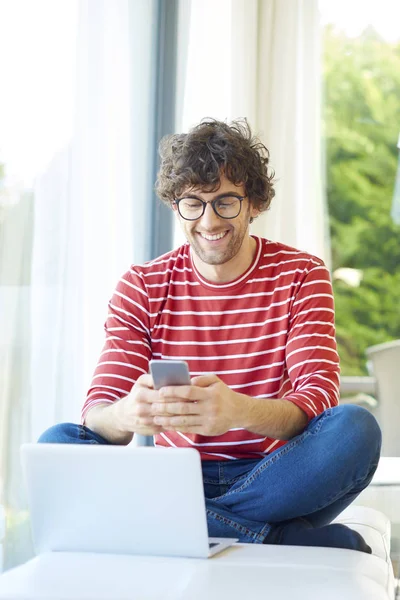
(362,124)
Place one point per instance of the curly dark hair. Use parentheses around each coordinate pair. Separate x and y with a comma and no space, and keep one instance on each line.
(197,159)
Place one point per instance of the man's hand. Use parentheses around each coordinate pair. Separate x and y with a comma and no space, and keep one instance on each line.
(133,413)
(207,407)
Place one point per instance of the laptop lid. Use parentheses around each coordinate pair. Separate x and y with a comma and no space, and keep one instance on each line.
(116,499)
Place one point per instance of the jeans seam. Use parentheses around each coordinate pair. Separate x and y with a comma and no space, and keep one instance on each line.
(251,478)
(240,528)
(264,531)
(229,482)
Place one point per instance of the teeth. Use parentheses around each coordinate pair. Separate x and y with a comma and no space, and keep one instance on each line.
(217,236)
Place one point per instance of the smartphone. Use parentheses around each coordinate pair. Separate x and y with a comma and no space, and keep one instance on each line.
(169,372)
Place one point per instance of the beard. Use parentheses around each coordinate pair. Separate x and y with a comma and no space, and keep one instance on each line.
(228,250)
(218,256)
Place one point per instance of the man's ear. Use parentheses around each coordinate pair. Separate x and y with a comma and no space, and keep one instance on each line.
(254,212)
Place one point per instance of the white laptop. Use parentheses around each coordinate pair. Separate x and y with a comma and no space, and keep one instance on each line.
(117,499)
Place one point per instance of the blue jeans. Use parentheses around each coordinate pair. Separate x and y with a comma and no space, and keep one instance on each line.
(315,475)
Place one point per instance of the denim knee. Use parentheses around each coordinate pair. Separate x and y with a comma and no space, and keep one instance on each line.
(62,433)
(362,427)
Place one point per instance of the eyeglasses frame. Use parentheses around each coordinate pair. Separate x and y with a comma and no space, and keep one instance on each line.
(213,204)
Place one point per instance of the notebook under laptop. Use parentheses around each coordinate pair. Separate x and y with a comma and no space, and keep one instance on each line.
(117,499)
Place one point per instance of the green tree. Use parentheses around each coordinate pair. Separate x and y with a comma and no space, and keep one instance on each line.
(361,125)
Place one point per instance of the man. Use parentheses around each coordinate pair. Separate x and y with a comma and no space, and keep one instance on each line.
(254,319)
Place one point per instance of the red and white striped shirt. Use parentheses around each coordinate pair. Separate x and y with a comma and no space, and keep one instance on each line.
(268,334)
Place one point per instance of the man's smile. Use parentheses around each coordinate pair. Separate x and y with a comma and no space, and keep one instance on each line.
(213,237)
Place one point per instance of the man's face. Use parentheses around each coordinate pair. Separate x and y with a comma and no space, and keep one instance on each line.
(214,240)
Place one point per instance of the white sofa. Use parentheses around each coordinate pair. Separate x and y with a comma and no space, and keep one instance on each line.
(244,571)
(240,572)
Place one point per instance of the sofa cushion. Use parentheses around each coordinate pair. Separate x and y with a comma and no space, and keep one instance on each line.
(388,471)
(373,525)
(241,571)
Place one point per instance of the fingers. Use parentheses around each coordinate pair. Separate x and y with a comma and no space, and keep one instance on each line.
(145,380)
(175,408)
(204,380)
(179,393)
(144,394)
(172,408)
(178,423)
(142,419)
(194,392)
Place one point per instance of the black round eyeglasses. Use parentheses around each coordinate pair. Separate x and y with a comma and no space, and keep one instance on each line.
(226,207)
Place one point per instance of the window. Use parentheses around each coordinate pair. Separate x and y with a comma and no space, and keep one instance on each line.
(362,125)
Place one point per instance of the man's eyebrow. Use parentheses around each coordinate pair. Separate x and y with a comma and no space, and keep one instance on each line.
(223,195)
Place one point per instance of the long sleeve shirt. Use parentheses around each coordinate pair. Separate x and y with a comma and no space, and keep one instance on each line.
(268,334)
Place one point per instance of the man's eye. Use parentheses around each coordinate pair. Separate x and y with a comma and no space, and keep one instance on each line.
(227,202)
(191,204)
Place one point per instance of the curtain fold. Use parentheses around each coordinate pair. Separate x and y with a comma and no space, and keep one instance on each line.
(276,84)
(37,92)
(266,66)
(91,204)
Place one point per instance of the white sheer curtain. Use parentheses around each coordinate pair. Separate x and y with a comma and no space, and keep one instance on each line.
(37,66)
(85,218)
(97,183)
(281,96)
(86,225)
(262,60)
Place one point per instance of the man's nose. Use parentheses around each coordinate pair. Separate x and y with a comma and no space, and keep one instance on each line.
(210,218)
